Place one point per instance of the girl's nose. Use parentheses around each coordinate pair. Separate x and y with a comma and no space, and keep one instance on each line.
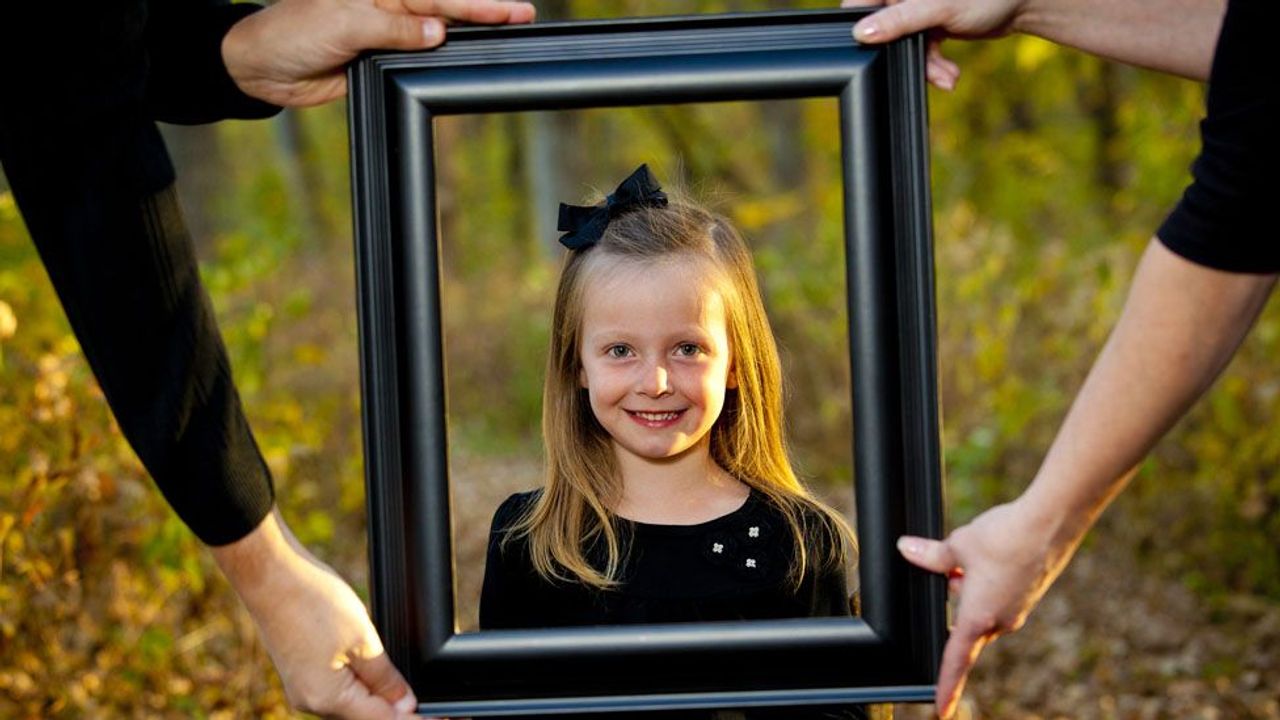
(654,382)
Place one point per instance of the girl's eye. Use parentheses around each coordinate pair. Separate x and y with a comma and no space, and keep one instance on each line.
(688,349)
(617,351)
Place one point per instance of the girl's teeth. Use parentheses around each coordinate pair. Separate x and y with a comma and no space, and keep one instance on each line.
(657,417)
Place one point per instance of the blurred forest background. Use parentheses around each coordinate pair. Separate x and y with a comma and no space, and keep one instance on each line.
(1050,171)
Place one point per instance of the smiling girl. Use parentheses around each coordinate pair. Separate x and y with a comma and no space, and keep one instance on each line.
(669,495)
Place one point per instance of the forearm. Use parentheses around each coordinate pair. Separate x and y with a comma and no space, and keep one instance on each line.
(1174,36)
(251,563)
(1180,326)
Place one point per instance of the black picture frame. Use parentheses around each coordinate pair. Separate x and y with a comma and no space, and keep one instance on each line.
(890,652)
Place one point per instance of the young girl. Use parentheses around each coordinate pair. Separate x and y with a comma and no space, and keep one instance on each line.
(669,496)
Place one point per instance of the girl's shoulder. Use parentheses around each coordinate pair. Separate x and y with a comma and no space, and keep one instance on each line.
(819,530)
(805,510)
(514,508)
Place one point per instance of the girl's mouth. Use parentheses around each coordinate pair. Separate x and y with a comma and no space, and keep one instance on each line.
(655,419)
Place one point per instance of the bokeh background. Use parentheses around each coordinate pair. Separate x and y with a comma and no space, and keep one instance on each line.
(1050,171)
(500,180)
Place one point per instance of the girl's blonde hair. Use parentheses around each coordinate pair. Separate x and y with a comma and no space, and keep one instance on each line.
(747,440)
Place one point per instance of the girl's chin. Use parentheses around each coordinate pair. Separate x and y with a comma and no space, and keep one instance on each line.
(662,453)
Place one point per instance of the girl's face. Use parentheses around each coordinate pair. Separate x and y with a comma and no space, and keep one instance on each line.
(655,356)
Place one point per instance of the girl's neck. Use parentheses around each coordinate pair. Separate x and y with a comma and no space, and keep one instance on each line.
(684,490)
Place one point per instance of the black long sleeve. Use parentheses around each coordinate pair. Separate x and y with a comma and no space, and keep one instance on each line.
(187,82)
(94,183)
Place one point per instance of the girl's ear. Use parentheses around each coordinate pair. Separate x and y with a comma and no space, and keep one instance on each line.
(731,382)
(582,377)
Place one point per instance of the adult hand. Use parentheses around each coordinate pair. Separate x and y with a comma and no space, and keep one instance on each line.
(294,52)
(970,19)
(314,627)
(1000,564)
(1173,36)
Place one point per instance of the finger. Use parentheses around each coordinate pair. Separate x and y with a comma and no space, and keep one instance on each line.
(938,77)
(950,66)
(944,64)
(901,19)
(487,12)
(946,67)
(383,680)
(961,652)
(932,555)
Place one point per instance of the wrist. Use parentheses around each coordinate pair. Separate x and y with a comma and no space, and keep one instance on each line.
(1053,523)
(1032,17)
(237,48)
(259,563)
(1060,508)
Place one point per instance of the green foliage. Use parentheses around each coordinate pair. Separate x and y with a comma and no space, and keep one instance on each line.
(1050,170)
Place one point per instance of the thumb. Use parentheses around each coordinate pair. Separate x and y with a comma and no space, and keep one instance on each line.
(384,681)
(378,29)
(933,555)
(901,19)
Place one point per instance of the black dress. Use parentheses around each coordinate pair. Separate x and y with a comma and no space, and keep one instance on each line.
(734,567)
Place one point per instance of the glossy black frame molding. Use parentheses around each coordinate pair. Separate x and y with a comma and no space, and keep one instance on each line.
(891,652)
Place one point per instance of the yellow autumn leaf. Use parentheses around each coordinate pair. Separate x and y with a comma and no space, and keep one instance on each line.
(1031,52)
(755,214)
(8,208)
(8,321)
(309,354)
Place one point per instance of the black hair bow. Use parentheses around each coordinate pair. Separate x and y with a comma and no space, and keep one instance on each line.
(585,225)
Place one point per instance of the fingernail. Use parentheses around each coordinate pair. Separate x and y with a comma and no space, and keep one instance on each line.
(865,31)
(432,32)
(910,546)
(407,704)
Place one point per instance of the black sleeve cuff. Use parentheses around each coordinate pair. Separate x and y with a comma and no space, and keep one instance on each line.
(187,81)
(1207,238)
